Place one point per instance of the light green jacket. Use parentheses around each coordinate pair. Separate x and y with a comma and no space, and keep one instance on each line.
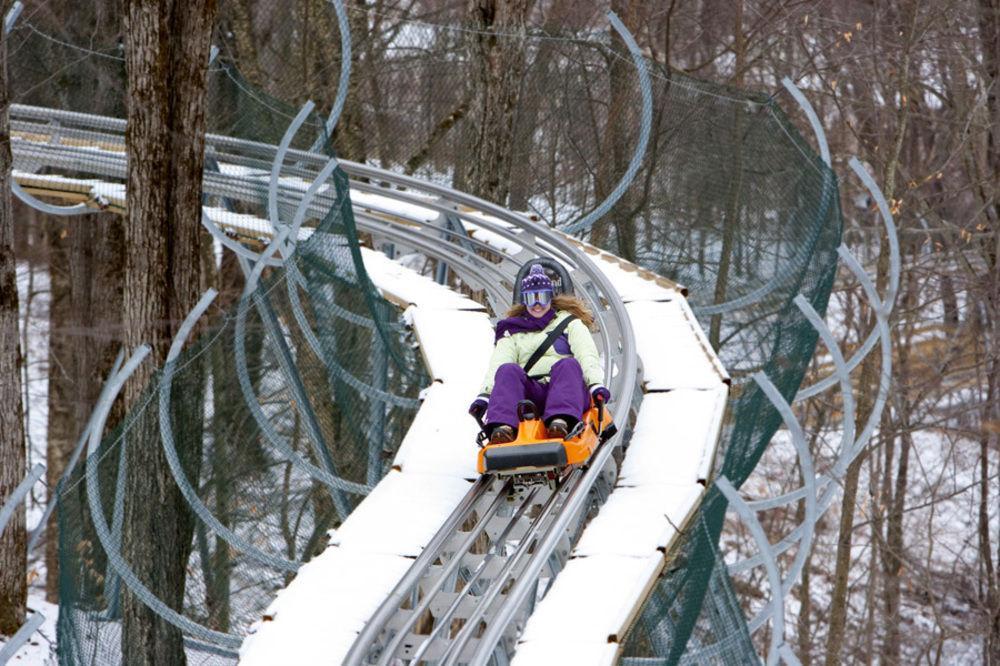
(519,347)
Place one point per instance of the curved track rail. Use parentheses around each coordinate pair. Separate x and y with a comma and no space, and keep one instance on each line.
(503,542)
(492,559)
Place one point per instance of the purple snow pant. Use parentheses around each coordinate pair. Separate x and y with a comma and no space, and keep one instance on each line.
(564,395)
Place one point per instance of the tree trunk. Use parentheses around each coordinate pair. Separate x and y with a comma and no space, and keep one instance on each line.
(523,180)
(13,540)
(230,422)
(62,427)
(867,386)
(892,560)
(617,143)
(877,519)
(731,219)
(244,42)
(804,593)
(85,262)
(989,31)
(894,493)
(991,653)
(838,607)
(437,135)
(323,72)
(166,52)
(497,45)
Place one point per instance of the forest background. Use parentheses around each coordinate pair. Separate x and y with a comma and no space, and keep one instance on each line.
(906,571)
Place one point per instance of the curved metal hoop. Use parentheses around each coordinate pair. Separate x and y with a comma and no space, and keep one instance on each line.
(749,519)
(345,70)
(893,288)
(645,127)
(121,568)
(810,111)
(39,205)
(808,474)
(842,374)
(235,247)
(885,376)
(239,339)
(850,447)
(173,461)
(21,636)
(802,253)
(10,505)
(279,160)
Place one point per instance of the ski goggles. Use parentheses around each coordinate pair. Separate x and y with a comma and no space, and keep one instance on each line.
(536,297)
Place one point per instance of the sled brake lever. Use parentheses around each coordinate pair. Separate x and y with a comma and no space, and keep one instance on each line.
(577,429)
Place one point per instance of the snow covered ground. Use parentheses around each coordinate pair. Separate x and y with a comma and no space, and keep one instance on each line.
(939,560)
(33,299)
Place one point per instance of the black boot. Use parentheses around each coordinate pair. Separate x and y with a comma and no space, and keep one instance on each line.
(502,434)
(558,428)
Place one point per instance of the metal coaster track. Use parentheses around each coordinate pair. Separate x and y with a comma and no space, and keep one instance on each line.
(495,555)
(466,596)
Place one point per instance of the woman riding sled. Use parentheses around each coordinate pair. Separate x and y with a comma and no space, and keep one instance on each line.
(562,380)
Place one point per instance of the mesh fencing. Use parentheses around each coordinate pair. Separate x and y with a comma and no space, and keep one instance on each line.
(277,436)
(730,201)
(282,414)
(754,221)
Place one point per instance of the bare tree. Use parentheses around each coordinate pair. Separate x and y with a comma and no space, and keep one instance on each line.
(497,44)
(85,283)
(616,142)
(868,380)
(941,171)
(13,544)
(989,32)
(166,52)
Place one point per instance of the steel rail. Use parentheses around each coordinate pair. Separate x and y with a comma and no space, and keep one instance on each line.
(449,569)
(250,183)
(446,617)
(253,188)
(237,185)
(528,235)
(457,646)
(412,576)
(577,490)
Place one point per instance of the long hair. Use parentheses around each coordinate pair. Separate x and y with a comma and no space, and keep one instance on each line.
(566,302)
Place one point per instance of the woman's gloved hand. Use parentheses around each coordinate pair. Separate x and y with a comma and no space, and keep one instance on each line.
(478,407)
(600,393)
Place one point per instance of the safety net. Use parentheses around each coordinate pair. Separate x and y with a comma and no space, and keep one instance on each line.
(276,422)
(277,419)
(293,396)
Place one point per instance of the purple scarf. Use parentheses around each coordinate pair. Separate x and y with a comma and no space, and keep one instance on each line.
(523,324)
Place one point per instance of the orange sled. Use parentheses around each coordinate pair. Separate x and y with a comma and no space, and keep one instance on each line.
(534,451)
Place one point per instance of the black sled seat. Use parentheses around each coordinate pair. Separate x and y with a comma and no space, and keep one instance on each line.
(526,457)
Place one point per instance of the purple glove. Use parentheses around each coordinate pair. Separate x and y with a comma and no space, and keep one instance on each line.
(478,408)
(600,393)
